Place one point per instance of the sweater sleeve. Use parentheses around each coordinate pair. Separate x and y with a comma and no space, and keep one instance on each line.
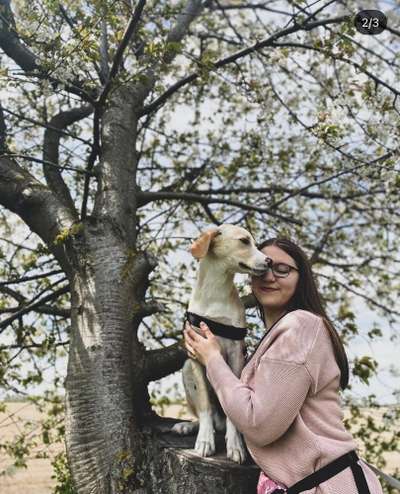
(264,412)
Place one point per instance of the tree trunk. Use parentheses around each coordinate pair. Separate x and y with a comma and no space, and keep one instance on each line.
(101,426)
(175,468)
(105,367)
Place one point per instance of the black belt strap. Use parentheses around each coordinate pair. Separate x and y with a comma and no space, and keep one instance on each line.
(347,460)
(360,479)
(230,332)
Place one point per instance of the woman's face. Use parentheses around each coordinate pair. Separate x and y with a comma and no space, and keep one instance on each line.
(272,292)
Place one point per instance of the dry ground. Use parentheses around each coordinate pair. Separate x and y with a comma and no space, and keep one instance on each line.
(36,479)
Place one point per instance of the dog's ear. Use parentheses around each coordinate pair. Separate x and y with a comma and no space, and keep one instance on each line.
(200,246)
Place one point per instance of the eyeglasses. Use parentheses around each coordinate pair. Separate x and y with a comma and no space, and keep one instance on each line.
(279,269)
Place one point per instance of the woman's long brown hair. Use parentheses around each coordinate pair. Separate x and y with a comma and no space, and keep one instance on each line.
(306,297)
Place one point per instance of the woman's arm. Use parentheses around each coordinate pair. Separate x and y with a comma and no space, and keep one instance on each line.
(281,381)
(264,412)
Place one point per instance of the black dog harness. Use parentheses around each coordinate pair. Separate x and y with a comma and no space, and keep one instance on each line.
(219,329)
(347,460)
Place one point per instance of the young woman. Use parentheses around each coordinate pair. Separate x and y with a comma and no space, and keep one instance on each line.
(286,402)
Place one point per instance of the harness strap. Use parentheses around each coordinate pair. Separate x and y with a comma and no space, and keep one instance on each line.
(360,479)
(224,330)
(336,466)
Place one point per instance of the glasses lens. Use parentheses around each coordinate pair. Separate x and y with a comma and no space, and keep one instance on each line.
(281,270)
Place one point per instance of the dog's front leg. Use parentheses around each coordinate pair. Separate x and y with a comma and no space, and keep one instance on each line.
(198,396)
(235,447)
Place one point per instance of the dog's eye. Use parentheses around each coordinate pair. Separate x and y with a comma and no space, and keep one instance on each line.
(245,241)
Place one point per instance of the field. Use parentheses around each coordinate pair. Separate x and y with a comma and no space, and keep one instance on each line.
(37,476)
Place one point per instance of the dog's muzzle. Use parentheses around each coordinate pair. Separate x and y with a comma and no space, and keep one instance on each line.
(253,271)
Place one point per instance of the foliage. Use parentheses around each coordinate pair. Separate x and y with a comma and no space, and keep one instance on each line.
(62,475)
(375,433)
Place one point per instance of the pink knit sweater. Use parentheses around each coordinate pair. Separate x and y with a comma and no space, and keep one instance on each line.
(286,404)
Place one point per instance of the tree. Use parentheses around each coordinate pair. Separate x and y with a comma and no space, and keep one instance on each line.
(287,128)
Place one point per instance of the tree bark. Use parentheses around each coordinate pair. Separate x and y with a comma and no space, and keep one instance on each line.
(101,427)
(175,468)
(105,368)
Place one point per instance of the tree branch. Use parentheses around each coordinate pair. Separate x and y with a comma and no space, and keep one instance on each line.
(192,9)
(358,66)
(359,265)
(104,68)
(332,177)
(53,311)
(33,159)
(279,188)
(33,306)
(325,237)
(372,301)
(148,308)
(209,213)
(129,32)
(25,58)
(51,144)
(248,6)
(181,27)
(91,161)
(18,247)
(145,263)
(30,278)
(10,42)
(14,294)
(44,309)
(236,56)
(3,132)
(228,41)
(190,176)
(67,18)
(164,361)
(46,126)
(229,22)
(146,197)
(392,30)
(32,345)
(36,205)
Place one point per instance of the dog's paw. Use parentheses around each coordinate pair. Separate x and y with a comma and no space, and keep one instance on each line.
(185,428)
(205,447)
(235,449)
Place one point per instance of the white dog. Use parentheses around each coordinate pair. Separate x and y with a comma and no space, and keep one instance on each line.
(222,251)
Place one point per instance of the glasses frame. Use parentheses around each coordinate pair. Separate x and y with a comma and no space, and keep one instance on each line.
(272,265)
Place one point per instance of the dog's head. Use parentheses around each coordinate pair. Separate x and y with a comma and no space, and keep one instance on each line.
(233,246)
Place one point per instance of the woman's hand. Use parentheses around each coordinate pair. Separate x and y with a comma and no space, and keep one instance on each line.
(199,347)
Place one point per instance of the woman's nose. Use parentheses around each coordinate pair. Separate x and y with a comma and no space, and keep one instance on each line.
(269,275)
